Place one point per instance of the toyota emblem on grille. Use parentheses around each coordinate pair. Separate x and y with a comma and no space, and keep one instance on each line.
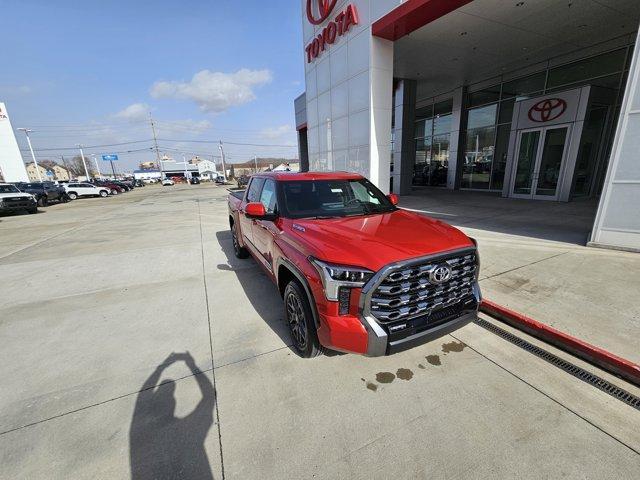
(440,274)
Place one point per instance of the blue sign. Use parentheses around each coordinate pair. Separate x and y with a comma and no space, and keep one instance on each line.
(110,158)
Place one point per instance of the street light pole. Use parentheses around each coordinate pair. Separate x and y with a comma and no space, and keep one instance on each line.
(255,160)
(224,167)
(84,162)
(95,159)
(186,176)
(33,155)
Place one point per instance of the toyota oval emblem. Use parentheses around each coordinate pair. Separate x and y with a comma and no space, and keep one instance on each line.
(321,12)
(547,110)
(440,274)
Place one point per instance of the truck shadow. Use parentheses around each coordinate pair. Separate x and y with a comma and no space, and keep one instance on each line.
(258,288)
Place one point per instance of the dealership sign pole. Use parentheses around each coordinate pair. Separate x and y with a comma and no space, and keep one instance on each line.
(111,158)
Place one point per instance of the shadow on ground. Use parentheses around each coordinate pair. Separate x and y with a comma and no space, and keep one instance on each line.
(567,222)
(161,445)
(258,288)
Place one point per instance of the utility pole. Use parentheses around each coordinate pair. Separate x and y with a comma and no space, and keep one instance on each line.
(84,162)
(155,142)
(224,167)
(95,159)
(33,155)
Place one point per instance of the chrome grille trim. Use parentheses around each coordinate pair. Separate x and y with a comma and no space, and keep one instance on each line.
(401,292)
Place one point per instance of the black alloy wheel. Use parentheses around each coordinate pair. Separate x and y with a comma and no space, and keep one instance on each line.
(300,320)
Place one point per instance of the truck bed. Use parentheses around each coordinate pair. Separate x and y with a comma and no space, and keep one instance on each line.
(239,194)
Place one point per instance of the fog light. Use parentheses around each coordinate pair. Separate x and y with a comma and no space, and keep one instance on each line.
(344,300)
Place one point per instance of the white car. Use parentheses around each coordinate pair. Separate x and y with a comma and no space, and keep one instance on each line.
(12,199)
(167,182)
(75,190)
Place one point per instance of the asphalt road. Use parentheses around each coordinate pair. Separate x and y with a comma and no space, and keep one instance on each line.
(134,345)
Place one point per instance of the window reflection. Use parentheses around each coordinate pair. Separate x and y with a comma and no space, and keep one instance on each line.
(433,137)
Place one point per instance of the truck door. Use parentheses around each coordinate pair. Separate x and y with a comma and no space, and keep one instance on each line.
(246,224)
(264,231)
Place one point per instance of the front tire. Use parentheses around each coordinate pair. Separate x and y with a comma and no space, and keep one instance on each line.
(104,193)
(33,210)
(73,195)
(297,310)
(114,192)
(240,252)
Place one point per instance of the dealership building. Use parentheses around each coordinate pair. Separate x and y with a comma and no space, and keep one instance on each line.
(531,99)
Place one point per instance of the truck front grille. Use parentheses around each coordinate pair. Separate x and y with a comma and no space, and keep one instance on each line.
(409,292)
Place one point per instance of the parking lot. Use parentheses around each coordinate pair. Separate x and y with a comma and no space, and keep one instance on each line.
(103,300)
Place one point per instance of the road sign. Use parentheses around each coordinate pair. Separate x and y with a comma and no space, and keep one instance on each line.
(110,158)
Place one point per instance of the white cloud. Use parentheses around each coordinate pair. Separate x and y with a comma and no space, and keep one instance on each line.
(134,112)
(215,91)
(276,133)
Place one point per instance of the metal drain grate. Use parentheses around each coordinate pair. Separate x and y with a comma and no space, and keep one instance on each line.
(580,373)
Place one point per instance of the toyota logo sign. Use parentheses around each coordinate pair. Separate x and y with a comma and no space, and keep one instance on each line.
(547,110)
(321,12)
(440,274)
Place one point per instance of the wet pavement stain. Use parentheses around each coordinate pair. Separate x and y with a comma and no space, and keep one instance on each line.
(453,347)
(372,386)
(404,374)
(434,360)
(385,377)
(421,366)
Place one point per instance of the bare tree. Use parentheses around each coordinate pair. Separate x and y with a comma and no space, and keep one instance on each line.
(76,167)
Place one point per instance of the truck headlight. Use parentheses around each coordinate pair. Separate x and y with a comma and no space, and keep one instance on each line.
(335,276)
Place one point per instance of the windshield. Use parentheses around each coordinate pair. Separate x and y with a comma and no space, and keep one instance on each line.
(333,198)
(8,189)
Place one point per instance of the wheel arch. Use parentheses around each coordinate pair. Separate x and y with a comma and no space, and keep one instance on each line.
(287,271)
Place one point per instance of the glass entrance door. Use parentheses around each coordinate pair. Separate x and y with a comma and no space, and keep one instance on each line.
(540,162)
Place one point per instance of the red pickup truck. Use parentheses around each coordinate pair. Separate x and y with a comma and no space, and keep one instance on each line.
(357,273)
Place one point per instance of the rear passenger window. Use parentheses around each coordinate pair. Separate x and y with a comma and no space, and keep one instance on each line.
(255,187)
(268,196)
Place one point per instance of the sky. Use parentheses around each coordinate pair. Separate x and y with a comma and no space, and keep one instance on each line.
(90,72)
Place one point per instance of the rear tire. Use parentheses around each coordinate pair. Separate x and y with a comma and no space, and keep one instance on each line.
(43,201)
(297,311)
(33,210)
(114,192)
(239,251)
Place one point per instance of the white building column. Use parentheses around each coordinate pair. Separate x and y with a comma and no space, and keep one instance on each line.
(617,223)
(404,148)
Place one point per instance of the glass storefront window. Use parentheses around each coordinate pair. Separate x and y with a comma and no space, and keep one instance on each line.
(433,145)
(500,157)
(482,117)
(598,66)
(478,159)
(506,111)
(482,97)
(524,86)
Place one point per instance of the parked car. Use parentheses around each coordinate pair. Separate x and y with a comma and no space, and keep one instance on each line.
(167,182)
(13,200)
(75,190)
(113,188)
(194,181)
(357,274)
(243,181)
(220,180)
(149,181)
(45,192)
(139,183)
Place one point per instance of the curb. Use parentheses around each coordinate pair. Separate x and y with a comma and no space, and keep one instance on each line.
(597,356)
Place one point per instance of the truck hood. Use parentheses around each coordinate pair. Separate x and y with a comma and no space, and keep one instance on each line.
(376,240)
(16,195)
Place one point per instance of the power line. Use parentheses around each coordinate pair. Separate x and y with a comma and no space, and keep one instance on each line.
(229,143)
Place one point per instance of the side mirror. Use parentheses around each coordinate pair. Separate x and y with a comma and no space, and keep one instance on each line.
(393,198)
(255,210)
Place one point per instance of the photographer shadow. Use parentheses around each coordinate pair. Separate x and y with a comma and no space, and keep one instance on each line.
(163,446)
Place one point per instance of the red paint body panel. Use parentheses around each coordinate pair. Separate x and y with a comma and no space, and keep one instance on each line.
(412,15)
(371,242)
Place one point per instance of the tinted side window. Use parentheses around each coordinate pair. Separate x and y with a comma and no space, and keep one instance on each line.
(268,196)
(253,195)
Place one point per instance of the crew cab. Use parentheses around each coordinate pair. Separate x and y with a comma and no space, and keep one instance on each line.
(13,200)
(357,273)
(78,189)
(45,192)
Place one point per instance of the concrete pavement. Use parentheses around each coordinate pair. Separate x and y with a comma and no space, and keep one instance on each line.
(96,296)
